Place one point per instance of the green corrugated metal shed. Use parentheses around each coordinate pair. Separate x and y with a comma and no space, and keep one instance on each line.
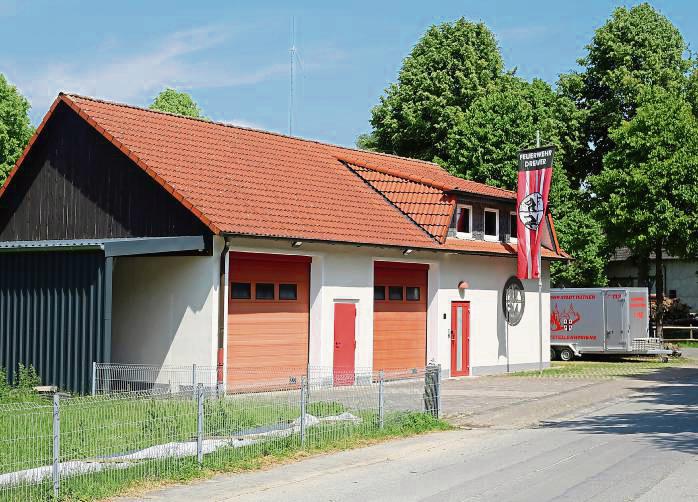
(53,315)
(55,303)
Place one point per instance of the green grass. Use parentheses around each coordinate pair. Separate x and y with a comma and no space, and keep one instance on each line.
(322,438)
(97,426)
(622,366)
(689,344)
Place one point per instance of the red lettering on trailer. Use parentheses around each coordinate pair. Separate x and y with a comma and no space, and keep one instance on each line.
(573,337)
(640,314)
(573,297)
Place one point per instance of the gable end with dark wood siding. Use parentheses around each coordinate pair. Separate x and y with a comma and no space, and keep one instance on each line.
(75,184)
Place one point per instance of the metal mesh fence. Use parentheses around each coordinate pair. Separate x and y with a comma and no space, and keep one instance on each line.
(93,446)
(108,378)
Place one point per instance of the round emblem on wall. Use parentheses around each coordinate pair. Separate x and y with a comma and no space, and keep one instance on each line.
(531,210)
(513,300)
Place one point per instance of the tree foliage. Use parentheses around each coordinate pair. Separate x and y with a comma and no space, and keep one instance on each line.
(647,191)
(180,103)
(454,103)
(637,47)
(15,126)
(449,67)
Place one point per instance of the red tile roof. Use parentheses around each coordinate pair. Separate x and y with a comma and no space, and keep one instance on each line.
(428,207)
(250,182)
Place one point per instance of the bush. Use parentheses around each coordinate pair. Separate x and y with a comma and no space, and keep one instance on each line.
(22,388)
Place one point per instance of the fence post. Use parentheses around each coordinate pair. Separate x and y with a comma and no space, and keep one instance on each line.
(304,385)
(193,380)
(56,470)
(200,424)
(431,389)
(381,398)
(94,377)
(438,391)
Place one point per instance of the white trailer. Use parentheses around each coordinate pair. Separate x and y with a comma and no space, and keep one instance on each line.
(601,321)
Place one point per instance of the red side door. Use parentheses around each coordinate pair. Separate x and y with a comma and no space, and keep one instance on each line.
(460,338)
(344,343)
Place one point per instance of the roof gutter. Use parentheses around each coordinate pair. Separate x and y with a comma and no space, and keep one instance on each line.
(382,246)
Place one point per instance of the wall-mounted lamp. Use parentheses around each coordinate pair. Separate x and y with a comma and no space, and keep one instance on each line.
(407,251)
(297,244)
(463,285)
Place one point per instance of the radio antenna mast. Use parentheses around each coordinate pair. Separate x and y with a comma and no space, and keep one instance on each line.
(292,52)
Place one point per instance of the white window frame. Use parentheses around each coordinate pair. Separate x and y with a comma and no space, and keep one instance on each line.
(464,235)
(495,237)
(516,220)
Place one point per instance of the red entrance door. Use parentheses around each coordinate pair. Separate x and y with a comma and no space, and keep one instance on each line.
(460,338)
(344,343)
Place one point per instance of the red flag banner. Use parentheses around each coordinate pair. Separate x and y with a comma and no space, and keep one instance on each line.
(535,171)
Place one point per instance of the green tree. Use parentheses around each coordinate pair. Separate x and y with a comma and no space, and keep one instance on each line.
(367,142)
(647,192)
(636,47)
(484,147)
(449,67)
(180,103)
(15,126)
(454,103)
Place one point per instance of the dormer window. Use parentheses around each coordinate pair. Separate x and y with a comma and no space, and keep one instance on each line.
(491,224)
(513,229)
(464,221)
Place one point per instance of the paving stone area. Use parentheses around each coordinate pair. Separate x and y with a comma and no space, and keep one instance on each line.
(478,395)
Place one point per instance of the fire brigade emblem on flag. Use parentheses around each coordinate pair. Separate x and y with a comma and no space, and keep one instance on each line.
(531,210)
(533,185)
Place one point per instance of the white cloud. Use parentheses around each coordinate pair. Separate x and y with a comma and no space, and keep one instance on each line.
(134,78)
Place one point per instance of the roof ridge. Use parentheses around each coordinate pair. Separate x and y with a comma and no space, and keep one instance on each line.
(245,128)
(419,179)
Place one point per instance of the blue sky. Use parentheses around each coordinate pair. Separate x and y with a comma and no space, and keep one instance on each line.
(233,56)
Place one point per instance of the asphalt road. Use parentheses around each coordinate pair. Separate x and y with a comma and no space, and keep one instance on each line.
(643,447)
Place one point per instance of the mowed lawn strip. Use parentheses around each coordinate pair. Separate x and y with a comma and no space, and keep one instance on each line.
(603,368)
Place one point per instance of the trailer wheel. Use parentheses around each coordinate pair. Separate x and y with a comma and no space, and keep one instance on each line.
(566,354)
(553,354)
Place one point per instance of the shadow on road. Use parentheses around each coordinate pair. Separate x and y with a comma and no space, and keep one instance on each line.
(665,413)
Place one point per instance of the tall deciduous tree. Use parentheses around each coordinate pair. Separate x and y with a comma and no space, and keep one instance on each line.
(454,103)
(484,147)
(15,127)
(635,48)
(647,192)
(173,101)
(448,68)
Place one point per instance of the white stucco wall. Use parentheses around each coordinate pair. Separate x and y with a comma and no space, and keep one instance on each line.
(165,309)
(683,277)
(488,348)
(680,275)
(345,273)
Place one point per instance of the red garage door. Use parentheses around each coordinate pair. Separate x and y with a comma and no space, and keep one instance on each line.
(268,315)
(400,315)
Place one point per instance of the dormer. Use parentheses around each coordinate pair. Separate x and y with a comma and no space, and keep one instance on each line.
(484,219)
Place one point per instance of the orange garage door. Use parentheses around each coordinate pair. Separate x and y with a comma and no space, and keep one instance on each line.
(268,316)
(400,315)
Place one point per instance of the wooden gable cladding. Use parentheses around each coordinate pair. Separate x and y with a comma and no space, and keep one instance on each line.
(267,337)
(400,326)
(74,184)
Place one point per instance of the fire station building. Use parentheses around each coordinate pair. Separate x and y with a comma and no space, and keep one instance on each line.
(134,236)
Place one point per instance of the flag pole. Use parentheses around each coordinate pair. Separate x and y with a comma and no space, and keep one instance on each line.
(540,291)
